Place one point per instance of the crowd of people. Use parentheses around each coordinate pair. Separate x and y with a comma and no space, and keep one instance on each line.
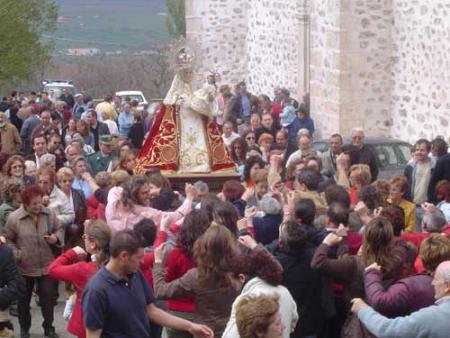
(306,244)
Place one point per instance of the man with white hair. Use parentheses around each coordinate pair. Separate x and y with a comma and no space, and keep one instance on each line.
(79,107)
(365,154)
(58,115)
(431,321)
(304,149)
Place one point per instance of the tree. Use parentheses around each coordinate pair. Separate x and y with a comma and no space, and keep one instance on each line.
(176,20)
(22,49)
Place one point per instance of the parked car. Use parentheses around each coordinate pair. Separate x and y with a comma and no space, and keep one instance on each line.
(134,95)
(57,86)
(392,155)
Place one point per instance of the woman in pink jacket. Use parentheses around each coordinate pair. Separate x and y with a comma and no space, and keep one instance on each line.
(130,203)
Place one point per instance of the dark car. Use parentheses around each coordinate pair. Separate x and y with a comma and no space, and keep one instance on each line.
(392,155)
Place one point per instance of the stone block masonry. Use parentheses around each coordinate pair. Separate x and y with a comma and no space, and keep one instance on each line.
(379,64)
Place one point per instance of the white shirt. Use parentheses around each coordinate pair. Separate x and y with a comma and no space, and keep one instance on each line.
(229,139)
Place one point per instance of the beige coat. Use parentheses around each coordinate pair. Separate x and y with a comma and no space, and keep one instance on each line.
(10,139)
(33,253)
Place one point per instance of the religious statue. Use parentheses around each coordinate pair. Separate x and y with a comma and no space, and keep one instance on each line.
(184,138)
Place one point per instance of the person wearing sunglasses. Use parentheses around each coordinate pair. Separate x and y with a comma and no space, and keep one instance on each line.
(15,168)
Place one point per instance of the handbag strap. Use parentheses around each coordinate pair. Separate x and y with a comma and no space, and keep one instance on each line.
(49,225)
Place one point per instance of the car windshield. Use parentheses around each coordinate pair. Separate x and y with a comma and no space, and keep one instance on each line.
(58,90)
(137,98)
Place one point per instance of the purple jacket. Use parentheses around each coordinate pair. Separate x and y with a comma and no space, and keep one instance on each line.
(401,298)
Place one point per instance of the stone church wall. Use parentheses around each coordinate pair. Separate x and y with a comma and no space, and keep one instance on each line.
(421,69)
(380,64)
(259,41)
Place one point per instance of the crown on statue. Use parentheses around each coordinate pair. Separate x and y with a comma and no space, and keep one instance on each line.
(185,58)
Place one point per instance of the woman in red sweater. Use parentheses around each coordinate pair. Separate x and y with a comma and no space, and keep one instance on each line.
(71,267)
(180,260)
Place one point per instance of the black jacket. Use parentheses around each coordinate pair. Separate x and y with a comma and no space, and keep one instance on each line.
(79,205)
(441,172)
(136,135)
(305,285)
(12,285)
(102,129)
(365,155)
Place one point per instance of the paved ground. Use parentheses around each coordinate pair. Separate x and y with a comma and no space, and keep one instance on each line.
(36,329)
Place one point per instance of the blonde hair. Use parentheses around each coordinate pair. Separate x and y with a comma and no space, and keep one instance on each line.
(399,181)
(99,233)
(64,173)
(119,176)
(254,314)
(434,250)
(363,171)
(260,176)
(103,179)
(358,130)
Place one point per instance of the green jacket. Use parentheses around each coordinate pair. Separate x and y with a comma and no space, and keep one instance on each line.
(5,210)
(98,162)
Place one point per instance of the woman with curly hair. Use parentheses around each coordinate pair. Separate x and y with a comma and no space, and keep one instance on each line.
(126,162)
(209,282)
(180,260)
(259,317)
(250,138)
(260,273)
(11,199)
(239,151)
(85,132)
(251,165)
(397,196)
(15,168)
(130,203)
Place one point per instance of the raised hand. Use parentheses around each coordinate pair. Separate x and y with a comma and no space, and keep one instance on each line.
(191,192)
(248,242)
(332,239)
(159,253)
(166,220)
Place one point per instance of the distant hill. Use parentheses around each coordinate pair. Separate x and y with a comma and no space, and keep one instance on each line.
(110,25)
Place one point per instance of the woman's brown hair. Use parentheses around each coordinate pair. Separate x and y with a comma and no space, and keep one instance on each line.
(213,253)
(99,233)
(379,245)
(10,162)
(84,130)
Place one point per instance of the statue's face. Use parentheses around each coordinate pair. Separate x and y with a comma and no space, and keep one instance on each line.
(186,75)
